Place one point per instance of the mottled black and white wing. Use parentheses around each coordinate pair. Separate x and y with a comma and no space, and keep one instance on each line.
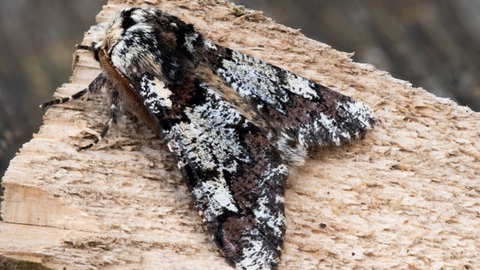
(305,112)
(234,173)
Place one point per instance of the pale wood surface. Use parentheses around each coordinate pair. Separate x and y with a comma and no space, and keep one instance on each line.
(407,196)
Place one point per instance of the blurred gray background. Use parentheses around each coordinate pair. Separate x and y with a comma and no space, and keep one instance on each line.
(433,44)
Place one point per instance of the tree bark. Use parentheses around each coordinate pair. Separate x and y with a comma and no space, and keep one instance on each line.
(406,196)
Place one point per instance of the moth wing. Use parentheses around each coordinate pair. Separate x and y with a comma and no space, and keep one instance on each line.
(307,112)
(234,173)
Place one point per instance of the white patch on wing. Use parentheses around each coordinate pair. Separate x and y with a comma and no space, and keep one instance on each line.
(256,257)
(220,197)
(359,111)
(161,94)
(252,77)
(300,86)
(274,220)
(332,128)
(263,212)
(210,45)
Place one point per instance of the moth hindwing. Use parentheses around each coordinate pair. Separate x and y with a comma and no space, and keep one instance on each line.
(235,124)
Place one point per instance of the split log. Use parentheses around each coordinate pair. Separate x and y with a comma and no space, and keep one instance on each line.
(406,196)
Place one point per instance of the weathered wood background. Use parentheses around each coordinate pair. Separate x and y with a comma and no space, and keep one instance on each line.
(407,196)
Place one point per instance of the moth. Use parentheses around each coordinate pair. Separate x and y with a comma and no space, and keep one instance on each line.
(235,124)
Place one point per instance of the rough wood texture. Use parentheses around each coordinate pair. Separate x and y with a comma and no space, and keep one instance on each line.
(407,196)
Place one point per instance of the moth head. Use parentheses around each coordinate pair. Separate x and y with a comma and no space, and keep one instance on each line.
(147,39)
(98,37)
(106,35)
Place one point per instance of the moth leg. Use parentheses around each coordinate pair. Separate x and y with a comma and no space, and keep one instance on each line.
(84,47)
(63,100)
(113,116)
(93,87)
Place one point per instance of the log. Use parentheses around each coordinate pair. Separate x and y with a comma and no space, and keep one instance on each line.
(406,196)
